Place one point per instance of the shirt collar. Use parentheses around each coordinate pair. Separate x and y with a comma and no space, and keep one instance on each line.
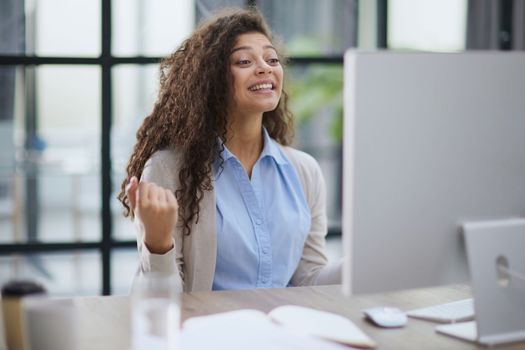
(270,149)
(225,153)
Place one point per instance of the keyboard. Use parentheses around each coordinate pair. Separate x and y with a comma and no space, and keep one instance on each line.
(457,311)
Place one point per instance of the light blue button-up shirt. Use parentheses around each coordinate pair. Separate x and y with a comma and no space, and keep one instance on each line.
(262,222)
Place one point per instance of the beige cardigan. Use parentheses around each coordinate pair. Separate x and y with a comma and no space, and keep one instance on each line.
(193,257)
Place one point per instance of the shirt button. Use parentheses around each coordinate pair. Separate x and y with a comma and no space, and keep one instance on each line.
(265,251)
(264,280)
(258,221)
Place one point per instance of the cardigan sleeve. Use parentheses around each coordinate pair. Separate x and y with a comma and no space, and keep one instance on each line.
(314,268)
(159,169)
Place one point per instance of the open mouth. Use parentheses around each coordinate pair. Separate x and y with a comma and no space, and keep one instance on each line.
(265,86)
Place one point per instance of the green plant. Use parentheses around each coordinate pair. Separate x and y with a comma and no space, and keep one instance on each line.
(315,87)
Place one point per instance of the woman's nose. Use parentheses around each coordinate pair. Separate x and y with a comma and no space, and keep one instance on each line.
(264,68)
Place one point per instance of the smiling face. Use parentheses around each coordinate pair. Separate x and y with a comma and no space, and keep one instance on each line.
(257,75)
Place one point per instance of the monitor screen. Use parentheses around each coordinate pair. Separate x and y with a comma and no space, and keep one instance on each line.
(430,140)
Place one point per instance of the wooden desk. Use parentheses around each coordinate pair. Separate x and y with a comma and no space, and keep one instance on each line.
(417,334)
(104,321)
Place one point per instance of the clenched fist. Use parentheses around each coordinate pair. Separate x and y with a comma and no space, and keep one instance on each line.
(157,210)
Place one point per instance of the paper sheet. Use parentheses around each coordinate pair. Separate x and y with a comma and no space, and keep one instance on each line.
(246,329)
(320,323)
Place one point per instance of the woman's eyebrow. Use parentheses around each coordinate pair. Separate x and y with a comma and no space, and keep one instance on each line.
(251,48)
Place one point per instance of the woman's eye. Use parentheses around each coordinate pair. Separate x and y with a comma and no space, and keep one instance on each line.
(243,62)
(273,61)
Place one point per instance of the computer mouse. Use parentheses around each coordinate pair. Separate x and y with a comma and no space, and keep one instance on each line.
(387,317)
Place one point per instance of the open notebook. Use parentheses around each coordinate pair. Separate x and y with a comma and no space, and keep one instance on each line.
(286,327)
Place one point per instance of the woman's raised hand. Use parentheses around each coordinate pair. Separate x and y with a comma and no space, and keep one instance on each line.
(157,210)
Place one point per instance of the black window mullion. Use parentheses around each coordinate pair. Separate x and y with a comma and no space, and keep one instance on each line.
(9,60)
(39,60)
(338,59)
(105,168)
(41,247)
(505,25)
(382,24)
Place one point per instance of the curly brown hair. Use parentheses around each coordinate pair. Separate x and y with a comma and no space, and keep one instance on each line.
(190,113)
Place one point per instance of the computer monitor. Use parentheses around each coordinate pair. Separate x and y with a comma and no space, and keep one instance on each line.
(430,140)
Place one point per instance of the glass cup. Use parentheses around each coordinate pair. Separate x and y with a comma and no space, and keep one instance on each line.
(155,312)
(12,308)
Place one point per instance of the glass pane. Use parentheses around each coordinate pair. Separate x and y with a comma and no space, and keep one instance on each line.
(134,93)
(312,27)
(9,197)
(124,264)
(62,274)
(68,122)
(206,7)
(49,179)
(50,27)
(432,25)
(316,101)
(150,28)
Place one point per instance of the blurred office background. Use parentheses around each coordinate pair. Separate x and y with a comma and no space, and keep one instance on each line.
(77,78)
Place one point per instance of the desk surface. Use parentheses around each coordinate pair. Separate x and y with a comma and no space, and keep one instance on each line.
(105,320)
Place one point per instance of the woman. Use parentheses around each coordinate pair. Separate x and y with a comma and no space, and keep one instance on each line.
(222,202)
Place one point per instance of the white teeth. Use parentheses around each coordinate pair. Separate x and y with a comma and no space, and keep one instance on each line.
(261,86)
